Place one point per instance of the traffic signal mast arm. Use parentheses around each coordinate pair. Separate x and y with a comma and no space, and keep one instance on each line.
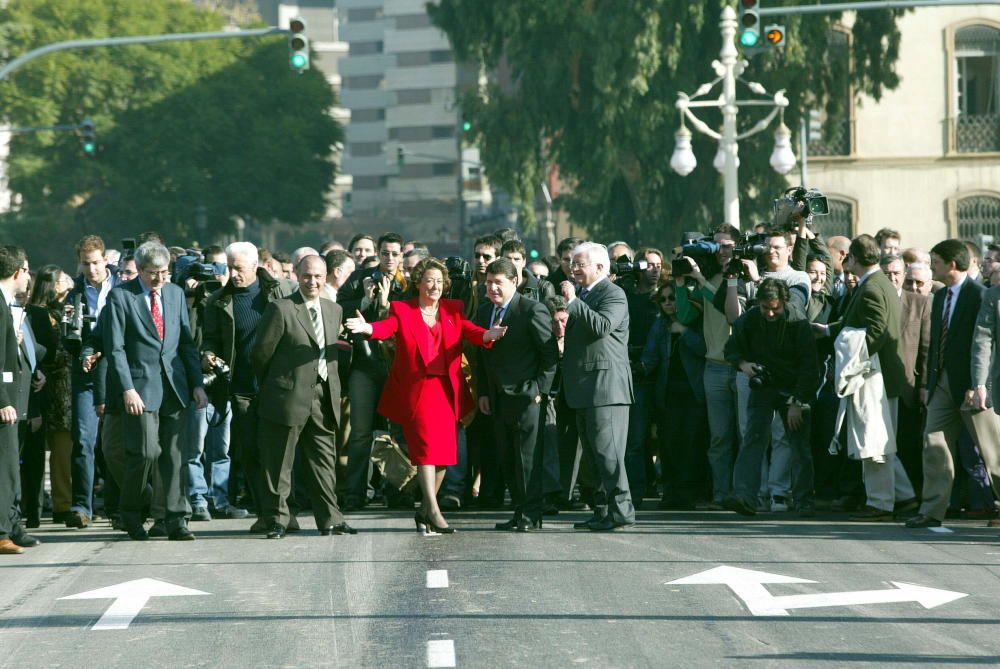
(861,6)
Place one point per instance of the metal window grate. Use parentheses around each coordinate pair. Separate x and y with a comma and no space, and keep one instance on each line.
(840,220)
(979,215)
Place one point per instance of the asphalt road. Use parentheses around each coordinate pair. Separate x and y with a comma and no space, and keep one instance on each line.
(557,598)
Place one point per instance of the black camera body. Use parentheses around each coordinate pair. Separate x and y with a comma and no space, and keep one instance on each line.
(221,373)
(762,377)
(750,247)
(624,265)
(796,204)
(460,275)
(71,325)
(703,251)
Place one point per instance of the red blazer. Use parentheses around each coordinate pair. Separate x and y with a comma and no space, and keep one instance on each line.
(413,347)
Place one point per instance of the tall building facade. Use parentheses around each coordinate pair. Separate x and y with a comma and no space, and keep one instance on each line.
(925,159)
(403,146)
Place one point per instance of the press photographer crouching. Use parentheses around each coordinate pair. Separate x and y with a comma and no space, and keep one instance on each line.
(779,357)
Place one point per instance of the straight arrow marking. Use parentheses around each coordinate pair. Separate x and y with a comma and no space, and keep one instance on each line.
(748,585)
(130,598)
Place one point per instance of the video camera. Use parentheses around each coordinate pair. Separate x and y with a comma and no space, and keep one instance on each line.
(460,275)
(796,204)
(624,265)
(750,247)
(217,383)
(71,325)
(202,272)
(703,251)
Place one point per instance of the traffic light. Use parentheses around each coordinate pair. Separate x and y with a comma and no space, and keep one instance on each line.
(88,136)
(466,126)
(749,23)
(533,254)
(298,45)
(346,208)
(400,156)
(775,35)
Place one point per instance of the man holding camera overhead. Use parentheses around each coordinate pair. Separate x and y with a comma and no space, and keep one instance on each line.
(778,355)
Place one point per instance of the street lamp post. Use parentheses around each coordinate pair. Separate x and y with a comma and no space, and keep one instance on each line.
(728,69)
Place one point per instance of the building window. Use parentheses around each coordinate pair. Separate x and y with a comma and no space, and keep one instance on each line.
(364,14)
(366,48)
(979,215)
(442,131)
(413,96)
(832,137)
(364,82)
(840,220)
(422,58)
(373,182)
(977,89)
(365,149)
(367,115)
(412,21)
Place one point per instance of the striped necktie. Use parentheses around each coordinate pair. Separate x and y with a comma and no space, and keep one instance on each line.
(318,330)
(945,322)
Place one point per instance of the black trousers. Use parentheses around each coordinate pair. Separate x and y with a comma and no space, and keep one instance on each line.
(32,470)
(244,452)
(317,440)
(515,429)
(9,481)
(152,440)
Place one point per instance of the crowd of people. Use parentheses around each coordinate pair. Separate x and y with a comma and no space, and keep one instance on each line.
(779,373)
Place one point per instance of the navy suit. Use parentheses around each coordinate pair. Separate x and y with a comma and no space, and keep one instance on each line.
(164,373)
(15,382)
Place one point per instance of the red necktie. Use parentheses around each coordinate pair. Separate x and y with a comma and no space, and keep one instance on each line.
(154,310)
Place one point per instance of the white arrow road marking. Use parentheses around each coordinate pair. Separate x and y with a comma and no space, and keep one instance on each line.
(130,597)
(748,585)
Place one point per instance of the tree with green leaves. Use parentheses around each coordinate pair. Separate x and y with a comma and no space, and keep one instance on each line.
(590,86)
(189,134)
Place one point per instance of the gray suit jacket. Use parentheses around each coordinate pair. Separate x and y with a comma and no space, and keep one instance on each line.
(985,364)
(595,365)
(286,358)
(914,342)
(139,360)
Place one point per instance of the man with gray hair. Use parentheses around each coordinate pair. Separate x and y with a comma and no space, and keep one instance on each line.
(598,381)
(232,316)
(153,374)
(301,252)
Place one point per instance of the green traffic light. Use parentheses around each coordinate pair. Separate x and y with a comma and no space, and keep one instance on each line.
(299,61)
(749,38)
(89,147)
(533,253)
(466,126)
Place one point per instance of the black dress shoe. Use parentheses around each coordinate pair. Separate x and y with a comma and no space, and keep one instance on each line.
(32,523)
(60,517)
(339,528)
(739,505)
(181,533)
(871,514)
(293,525)
(585,525)
(25,540)
(528,525)
(509,526)
(923,521)
(158,530)
(138,534)
(276,531)
(608,525)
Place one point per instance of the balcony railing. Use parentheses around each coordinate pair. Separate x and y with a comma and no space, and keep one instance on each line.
(835,140)
(977,133)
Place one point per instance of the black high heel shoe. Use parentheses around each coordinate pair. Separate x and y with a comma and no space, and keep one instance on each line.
(434,529)
(419,521)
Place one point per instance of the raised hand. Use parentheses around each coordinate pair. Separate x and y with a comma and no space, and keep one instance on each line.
(358,325)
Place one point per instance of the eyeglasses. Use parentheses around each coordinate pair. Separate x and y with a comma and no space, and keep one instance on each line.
(164,273)
(579,265)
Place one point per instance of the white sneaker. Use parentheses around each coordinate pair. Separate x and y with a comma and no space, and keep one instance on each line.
(779,504)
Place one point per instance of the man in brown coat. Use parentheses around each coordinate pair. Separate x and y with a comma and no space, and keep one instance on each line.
(295,358)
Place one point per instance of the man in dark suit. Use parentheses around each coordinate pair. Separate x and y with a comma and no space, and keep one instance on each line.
(597,381)
(874,306)
(953,399)
(914,341)
(295,358)
(515,374)
(15,384)
(154,371)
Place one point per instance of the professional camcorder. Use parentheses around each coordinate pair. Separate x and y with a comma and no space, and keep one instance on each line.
(750,247)
(460,274)
(71,325)
(796,204)
(625,265)
(703,251)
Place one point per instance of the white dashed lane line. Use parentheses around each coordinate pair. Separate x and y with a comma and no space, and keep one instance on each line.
(437,578)
(441,653)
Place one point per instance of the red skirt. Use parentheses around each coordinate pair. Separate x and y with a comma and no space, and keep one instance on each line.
(431,438)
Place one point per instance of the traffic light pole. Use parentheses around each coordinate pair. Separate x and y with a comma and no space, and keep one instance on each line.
(861,6)
(25,58)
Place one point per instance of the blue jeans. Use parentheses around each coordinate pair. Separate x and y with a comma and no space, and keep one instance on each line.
(204,436)
(726,395)
(761,407)
(84,433)
(455,475)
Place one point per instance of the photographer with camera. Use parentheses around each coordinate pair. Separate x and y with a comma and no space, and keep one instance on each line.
(82,307)
(725,390)
(369,291)
(207,430)
(639,280)
(232,315)
(528,284)
(778,355)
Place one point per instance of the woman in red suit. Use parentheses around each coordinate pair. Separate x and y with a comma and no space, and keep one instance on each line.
(426,392)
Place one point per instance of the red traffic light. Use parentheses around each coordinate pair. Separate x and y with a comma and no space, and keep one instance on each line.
(297,25)
(748,4)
